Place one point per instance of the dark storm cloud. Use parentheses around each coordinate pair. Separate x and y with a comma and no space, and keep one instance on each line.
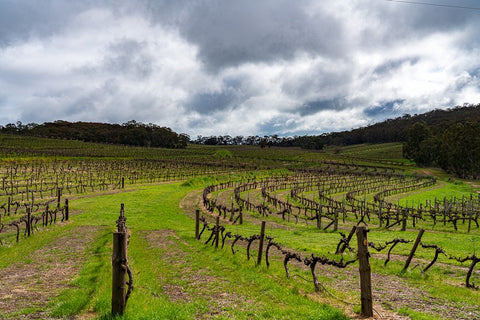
(424,18)
(409,21)
(22,19)
(230,33)
(313,107)
(384,109)
(208,103)
(231,93)
(128,57)
(85,105)
(390,66)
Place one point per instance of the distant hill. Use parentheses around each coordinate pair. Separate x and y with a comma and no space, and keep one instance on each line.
(391,130)
(139,134)
(130,133)
(396,130)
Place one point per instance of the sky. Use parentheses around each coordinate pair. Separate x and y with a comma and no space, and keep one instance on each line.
(230,67)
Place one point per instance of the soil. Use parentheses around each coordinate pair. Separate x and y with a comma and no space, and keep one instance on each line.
(49,270)
(199,283)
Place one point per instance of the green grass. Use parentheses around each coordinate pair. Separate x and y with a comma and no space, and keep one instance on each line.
(177,277)
(443,190)
(200,273)
(415,315)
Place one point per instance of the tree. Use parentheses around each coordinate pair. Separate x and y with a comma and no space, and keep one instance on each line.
(460,150)
(417,142)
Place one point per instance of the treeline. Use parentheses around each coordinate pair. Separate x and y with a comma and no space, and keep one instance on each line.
(456,149)
(396,130)
(130,133)
(305,142)
(391,130)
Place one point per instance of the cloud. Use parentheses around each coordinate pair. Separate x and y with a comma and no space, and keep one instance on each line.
(230,33)
(128,57)
(214,67)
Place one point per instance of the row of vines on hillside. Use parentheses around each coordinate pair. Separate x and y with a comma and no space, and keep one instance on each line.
(33,186)
(219,235)
(332,193)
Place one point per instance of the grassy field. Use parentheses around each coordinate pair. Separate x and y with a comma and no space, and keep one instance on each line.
(64,271)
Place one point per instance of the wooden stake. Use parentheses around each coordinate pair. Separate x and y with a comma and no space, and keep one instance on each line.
(59,195)
(365,272)
(260,246)
(414,248)
(319,216)
(197,224)
(66,209)
(119,276)
(335,224)
(217,231)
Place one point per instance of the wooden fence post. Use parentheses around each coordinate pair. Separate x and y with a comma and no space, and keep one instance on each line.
(319,216)
(120,268)
(260,246)
(66,209)
(29,221)
(365,272)
(335,224)
(197,224)
(380,214)
(45,216)
(59,195)
(217,231)
(119,278)
(414,248)
(470,217)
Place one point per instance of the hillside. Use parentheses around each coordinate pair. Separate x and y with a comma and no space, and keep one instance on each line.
(396,130)
(130,133)
(391,130)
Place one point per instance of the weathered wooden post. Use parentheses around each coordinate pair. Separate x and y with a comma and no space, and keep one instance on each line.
(260,246)
(404,219)
(197,224)
(29,221)
(59,195)
(335,224)
(66,210)
(347,241)
(319,216)
(120,267)
(380,220)
(470,217)
(123,182)
(45,216)
(414,248)
(217,231)
(365,272)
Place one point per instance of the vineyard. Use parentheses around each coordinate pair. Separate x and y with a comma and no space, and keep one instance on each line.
(307,206)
